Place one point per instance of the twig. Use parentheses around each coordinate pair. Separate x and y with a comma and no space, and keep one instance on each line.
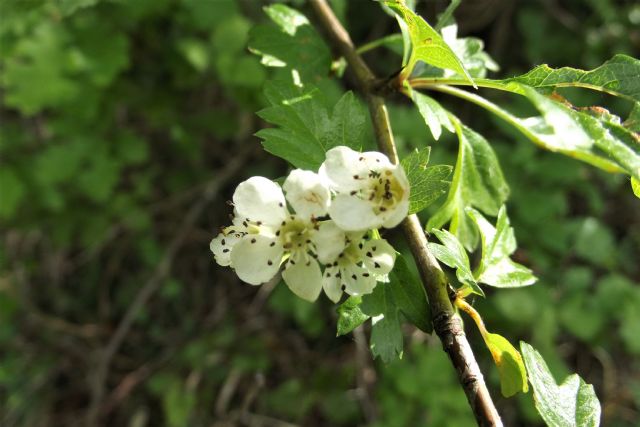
(152,285)
(446,323)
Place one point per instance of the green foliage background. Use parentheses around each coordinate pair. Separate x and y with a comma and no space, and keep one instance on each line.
(118,114)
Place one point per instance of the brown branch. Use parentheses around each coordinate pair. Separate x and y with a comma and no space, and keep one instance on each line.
(445,321)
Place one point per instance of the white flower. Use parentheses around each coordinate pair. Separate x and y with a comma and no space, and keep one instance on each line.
(265,234)
(358,267)
(371,192)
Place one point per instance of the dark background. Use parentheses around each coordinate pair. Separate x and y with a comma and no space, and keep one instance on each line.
(126,125)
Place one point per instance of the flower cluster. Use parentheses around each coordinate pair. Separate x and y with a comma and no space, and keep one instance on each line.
(319,228)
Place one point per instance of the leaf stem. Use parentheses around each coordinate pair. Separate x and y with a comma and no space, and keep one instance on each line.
(473,313)
(445,321)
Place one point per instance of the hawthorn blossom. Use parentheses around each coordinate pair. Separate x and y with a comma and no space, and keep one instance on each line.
(371,192)
(358,267)
(265,234)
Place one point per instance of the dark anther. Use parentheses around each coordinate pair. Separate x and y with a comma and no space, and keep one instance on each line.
(373,248)
(253,240)
(365,274)
(376,265)
(225,251)
(278,233)
(272,244)
(353,193)
(343,287)
(270,262)
(356,177)
(360,245)
(369,254)
(222,241)
(354,277)
(280,204)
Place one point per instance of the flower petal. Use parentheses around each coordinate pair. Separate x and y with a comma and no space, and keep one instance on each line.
(329,240)
(308,193)
(221,246)
(353,214)
(260,200)
(256,258)
(393,217)
(379,256)
(343,169)
(331,284)
(358,280)
(304,279)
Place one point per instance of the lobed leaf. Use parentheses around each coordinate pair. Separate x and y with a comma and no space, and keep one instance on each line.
(498,243)
(291,42)
(350,315)
(426,44)
(306,129)
(452,253)
(427,183)
(571,404)
(477,182)
(386,335)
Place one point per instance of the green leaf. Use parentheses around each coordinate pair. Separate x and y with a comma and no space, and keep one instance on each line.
(633,122)
(496,268)
(573,403)
(386,335)
(453,254)
(292,42)
(434,115)
(471,52)
(618,76)
(635,186)
(477,182)
(306,129)
(427,183)
(12,193)
(350,315)
(583,136)
(513,377)
(409,295)
(426,44)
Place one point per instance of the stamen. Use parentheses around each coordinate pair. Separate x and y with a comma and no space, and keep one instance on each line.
(270,262)
(376,265)
(253,240)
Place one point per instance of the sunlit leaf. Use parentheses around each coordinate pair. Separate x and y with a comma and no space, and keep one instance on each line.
(513,377)
(477,182)
(434,115)
(426,44)
(498,243)
(427,183)
(451,253)
(571,404)
(619,76)
(306,129)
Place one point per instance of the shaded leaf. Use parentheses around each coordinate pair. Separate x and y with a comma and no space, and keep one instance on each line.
(350,315)
(291,42)
(427,183)
(410,296)
(453,254)
(513,377)
(306,130)
(426,44)
(386,335)
(496,268)
(477,181)
(573,403)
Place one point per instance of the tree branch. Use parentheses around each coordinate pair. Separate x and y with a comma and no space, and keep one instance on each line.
(445,321)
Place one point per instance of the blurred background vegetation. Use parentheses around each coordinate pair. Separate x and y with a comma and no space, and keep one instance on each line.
(126,125)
